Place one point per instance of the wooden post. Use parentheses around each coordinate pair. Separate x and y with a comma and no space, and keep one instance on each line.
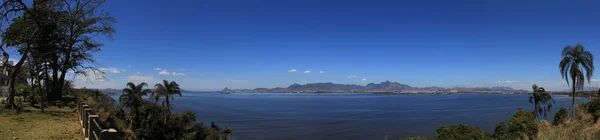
(86,121)
(82,113)
(91,126)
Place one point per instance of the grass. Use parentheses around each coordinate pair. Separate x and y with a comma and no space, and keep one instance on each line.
(31,123)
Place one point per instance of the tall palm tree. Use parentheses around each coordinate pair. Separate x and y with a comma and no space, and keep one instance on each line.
(132,98)
(542,101)
(575,62)
(168,90)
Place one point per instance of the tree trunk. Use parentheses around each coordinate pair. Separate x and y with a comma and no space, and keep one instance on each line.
(13,74)
(573,106)
(168,109)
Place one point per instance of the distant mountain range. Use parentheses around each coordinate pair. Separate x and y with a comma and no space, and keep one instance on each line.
(383,87)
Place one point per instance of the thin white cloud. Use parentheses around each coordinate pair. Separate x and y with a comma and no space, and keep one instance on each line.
(507,81)
(182,69)
(364,79)
(322,72)
(129,66)
(157,68)
(595,80)
(138,72)
(307,72)
(351,76)
(110,70)
(164,72)
(177,74)
(292,70)
(543,81)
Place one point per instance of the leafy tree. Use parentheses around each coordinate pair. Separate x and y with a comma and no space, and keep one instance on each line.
(576,61)
(33,26)
(168,90)
(541,100)
(132,98)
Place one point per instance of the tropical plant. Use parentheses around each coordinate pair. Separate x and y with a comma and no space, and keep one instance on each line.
(575,62)
(132,98)
(167,89)
(542,101)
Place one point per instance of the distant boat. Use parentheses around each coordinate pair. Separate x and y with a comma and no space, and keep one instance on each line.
(225,91)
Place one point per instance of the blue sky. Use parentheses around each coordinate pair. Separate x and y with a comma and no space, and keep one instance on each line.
(255,43)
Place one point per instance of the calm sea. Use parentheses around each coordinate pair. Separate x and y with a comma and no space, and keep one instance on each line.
(277,116)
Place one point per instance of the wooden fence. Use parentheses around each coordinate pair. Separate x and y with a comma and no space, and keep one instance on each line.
(91,125)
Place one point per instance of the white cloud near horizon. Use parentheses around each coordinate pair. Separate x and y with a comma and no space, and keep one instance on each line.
(164,72)
(364,79)
(182,69)
(507,81)
(177,74)
(307,72)
(292,70)
(157,68)
(322,72)
(129,66)
(351,76)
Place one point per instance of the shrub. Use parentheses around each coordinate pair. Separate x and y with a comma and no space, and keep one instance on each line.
(501,131)
(460,132)
(72,104)
(560,116)
(523,123)
(593,107)
(59,104)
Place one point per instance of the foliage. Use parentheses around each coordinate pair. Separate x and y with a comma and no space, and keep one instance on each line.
(541,100)
(574,58)
(168,90)
(460,132)
(523,122)
(148,121)
(561,116)
(593,107)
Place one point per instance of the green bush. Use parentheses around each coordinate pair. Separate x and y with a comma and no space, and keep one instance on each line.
(501,131)
(59,104)
(561,116)
(523,123)
(593,107)
(460,132)
(71,104)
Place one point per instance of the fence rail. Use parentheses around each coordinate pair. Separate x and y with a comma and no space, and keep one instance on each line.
(90,123)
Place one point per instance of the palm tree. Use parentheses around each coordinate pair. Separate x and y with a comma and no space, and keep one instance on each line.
(167,89)
(132,98)
(542,101)
(574,61)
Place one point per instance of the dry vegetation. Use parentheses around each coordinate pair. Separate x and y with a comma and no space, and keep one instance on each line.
(583,128)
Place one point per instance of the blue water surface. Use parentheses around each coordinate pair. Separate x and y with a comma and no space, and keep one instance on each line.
(276,116)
